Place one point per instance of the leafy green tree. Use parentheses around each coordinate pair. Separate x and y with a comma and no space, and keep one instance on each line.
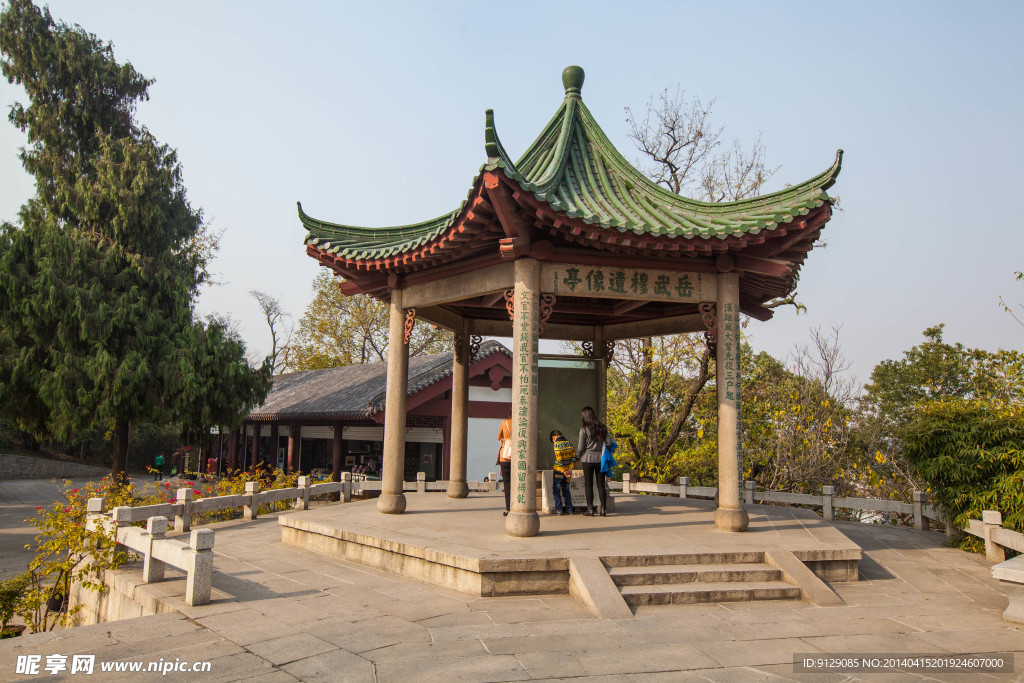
(656,383)
(970,452)
(933,370)
(97,284)
(341,330)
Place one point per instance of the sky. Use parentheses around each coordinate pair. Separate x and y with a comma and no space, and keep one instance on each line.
(373,114)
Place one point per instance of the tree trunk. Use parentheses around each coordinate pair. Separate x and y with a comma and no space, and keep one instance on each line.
(119,468)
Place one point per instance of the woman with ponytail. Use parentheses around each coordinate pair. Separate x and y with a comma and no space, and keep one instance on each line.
(594,437)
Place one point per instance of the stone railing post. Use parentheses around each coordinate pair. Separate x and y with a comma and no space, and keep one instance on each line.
(252,489)
(94,518)
(625,482)
(183,521)
(153,569)
(93,507)
(346,487)
(827,512)
(920,498)
(421,482)
(492,481)
(684,483)
(200,568)
(121,517)
(748,492)
(992,519)
(302,499)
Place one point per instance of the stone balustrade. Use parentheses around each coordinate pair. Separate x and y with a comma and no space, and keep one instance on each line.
(827,501)
(1009,572)
(195,558)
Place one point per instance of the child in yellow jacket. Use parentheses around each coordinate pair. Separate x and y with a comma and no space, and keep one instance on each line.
(565,458)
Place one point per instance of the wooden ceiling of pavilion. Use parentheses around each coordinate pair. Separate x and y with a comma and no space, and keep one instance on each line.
(572,198)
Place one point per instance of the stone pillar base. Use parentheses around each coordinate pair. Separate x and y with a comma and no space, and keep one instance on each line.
(391,503)
(458,489)
(731,520)
(522,524)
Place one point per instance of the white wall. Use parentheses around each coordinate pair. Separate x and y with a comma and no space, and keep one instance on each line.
(503,395)
(482,448)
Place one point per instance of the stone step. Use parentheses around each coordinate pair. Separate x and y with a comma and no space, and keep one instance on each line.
(661,574)
(694,593)
(741,557)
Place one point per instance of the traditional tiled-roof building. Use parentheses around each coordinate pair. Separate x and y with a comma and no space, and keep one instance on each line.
(306,411)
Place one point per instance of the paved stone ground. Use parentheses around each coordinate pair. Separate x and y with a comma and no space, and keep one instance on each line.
(281,614)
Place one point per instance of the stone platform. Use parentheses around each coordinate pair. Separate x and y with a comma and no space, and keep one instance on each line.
(461,544)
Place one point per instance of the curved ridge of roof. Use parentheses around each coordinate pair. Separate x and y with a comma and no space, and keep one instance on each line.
(574,167)
(357,242)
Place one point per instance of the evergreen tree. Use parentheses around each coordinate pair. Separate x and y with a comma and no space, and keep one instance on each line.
(97,284)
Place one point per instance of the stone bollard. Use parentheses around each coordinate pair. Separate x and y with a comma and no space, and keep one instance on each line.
(625,482)
(827,512)
(252,489)
(200,568)
(156,530)
(547,490)
(492,481)
(183,520)
(421,482)
(346,487)
(748,492)
(992,519)
(920,498)
(684,483)
(302,498)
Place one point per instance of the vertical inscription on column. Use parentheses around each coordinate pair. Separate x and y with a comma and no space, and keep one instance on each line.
(526,350)
(731,374)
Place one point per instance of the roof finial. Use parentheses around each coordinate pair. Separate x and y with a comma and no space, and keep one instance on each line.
(572,79)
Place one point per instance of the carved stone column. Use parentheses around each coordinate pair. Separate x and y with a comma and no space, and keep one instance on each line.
(730,515)
(392,500)
(523,520)
(457,487)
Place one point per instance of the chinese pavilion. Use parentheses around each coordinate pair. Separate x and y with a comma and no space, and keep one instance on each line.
(571,242)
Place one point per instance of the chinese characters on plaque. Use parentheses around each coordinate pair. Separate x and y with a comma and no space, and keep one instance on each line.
(627,283)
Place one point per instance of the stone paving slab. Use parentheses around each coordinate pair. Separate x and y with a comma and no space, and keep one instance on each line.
(375,626)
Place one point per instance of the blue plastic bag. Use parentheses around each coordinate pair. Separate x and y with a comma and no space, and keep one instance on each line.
(607,459)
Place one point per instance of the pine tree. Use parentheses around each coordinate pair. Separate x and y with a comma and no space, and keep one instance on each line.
(98,282)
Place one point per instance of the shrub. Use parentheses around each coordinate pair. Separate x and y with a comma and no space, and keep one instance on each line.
(971,454)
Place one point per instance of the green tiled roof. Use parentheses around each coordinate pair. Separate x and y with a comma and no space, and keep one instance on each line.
(573,168)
